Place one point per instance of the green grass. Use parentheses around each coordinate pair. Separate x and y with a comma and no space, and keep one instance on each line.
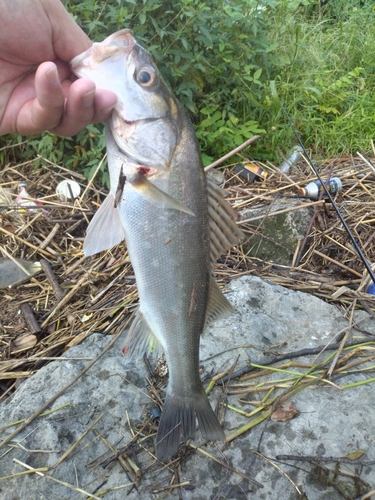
(328,85)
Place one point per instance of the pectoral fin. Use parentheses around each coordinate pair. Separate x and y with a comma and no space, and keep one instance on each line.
(105,229)
(156,195)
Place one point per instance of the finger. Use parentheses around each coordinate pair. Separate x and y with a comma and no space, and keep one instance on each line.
(46,109)
(105,101)
(68,38)
(84,105)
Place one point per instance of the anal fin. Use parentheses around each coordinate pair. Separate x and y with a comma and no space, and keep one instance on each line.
(105,229)
(140,340)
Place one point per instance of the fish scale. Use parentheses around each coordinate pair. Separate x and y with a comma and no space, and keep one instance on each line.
(162,212)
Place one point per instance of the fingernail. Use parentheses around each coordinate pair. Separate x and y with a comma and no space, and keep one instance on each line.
(53,77)
(87,99)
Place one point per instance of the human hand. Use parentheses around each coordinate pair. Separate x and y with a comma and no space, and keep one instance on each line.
(38,38)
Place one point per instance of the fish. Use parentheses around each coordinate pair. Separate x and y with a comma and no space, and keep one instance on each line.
(175,222)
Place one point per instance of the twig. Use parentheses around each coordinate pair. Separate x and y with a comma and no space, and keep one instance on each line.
(366,161)
(233,152)
(29,317)
(339,460)
(24,242)
(227,466)
(70,172)
(342,343)
(64,300)
(125,461)
(41,415)
(50,237)
(278,468)
(120,451)
(74,445)
(171,487)
(337,263)
(70,486)
(290,355)
(8,146)
(366,496)
(11,375)
(108,490)
(92,178)
(57,290)
(25,473)
(253,423)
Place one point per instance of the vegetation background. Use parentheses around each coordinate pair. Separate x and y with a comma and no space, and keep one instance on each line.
(233,63)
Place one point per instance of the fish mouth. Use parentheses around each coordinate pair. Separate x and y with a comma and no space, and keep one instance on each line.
(117,43)
(123,38)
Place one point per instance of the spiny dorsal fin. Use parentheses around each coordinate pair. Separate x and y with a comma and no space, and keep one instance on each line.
(105,229)
(222,218)
(140,340)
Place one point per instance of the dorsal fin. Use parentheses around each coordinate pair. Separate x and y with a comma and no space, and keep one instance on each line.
(222,218)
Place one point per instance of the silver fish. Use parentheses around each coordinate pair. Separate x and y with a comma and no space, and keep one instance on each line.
(175,224)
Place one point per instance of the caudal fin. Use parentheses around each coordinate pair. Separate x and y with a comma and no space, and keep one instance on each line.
(178,421)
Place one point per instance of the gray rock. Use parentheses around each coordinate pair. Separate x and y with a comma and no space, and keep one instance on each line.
(268,320)
(274,238)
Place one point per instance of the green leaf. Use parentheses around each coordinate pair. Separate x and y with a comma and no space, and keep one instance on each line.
(257,74)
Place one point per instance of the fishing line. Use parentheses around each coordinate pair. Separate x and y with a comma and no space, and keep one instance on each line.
(343,222)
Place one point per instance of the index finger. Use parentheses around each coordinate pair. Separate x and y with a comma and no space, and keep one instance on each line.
(46,109)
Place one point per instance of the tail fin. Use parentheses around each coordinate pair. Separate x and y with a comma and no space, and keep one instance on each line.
(178,421)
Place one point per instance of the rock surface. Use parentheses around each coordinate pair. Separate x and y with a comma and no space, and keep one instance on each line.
(268,320)
(275,237)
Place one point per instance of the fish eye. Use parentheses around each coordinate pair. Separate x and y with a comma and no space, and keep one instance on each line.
(146,77)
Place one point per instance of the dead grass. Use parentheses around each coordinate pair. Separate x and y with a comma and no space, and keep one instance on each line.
(74,296)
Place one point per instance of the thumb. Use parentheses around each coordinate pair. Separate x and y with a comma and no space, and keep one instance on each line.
(69,39)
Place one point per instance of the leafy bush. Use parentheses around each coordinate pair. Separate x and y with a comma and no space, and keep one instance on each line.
(211,52)
(232,65)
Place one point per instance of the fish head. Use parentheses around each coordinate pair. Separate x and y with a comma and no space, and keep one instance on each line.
(144,123)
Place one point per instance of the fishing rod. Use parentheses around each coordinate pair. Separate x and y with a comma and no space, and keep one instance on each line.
(343,222)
